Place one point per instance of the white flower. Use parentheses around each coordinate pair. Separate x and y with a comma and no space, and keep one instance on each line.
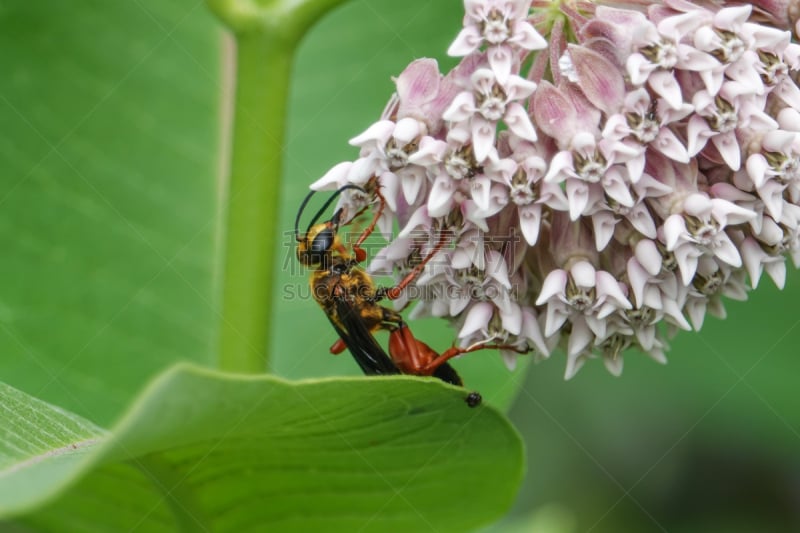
(662,50)
(699,227)
(529,193)
(718,117)
(589,174)
(628,173)
(502,26)
(584,296)
(643,123)
(486,102)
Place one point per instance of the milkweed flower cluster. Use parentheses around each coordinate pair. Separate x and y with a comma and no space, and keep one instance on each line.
(605,175)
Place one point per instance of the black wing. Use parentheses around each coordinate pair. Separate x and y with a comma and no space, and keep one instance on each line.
(447,373)
(359,340)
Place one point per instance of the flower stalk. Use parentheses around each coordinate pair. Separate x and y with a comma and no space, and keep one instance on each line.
(266,35)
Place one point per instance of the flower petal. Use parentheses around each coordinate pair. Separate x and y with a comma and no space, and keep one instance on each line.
(674,228)
(578,196)
(380,132)
(334,178)
(478,318)
(554,113)
(462,107)
(603,223)
(663,83)
(668,144)
(599,79)
(554,284)
(649,257)
(500,59)
(518,121)
(729,149)
(584,274)
(440,199)
(483,133)
(579,338)
(467,41)
(726,251)
(530,219)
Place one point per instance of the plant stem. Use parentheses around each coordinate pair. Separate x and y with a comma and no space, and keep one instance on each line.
(263,65)
(267,34)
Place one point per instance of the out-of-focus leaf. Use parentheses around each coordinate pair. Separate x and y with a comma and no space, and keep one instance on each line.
(232,453)
(710,439)
(549,518)
(107,210)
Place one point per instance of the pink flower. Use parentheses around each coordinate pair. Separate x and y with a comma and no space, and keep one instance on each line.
(607,212)
(629,172)
(486,101)
(458,180)
(587,169)
(661,50)
(422,94)
(775,170)
(718,117)
(502,26)
(699,225)
(387,151)
(529,193)
(643,123)
(713,281)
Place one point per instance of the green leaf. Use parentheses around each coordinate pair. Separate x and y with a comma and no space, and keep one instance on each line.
(107,209)
(39,443)
(202,449)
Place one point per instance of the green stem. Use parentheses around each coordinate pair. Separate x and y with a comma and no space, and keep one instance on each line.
(267,34)
(262,72)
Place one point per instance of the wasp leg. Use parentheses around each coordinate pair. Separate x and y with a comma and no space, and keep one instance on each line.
(456,351)
(338,347)
(407,352)
(391,319)
(359,252)
(393,293)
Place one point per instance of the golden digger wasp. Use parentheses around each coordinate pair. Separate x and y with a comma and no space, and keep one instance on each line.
(349,297)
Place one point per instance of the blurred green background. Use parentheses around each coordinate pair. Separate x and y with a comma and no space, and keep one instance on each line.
(109,144)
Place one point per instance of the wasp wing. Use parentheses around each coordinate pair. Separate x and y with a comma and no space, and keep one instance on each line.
(447,373)
(369,355)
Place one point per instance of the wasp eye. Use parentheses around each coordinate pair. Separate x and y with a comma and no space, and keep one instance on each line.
(321,244)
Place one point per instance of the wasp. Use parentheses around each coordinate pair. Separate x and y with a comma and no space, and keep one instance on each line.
(349,297)
(344,291)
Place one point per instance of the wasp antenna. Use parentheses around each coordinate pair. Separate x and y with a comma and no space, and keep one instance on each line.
(330,200)
(472,347)
(299,214)
(337,217)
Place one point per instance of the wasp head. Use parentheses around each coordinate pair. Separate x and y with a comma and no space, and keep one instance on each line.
(316,248)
